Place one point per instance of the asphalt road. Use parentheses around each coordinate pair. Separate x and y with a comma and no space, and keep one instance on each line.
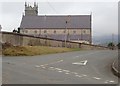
(61,68)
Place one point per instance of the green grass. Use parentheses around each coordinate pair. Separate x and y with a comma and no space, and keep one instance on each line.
(34,50)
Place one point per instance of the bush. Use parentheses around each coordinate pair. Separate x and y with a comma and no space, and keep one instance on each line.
(111,45)
(6,45)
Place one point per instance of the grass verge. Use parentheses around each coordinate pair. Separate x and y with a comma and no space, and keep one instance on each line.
(34,50)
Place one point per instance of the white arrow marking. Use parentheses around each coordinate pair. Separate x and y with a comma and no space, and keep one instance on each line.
(81,62)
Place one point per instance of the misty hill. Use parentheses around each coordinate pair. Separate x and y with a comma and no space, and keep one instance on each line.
(104,40)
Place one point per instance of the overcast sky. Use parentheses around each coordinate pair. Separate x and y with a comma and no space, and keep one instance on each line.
(104,14)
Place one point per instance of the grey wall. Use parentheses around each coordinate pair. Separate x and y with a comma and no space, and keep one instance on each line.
(25,40)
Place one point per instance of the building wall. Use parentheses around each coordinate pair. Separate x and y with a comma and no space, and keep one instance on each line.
(79,35)
(52,31)
(29,10)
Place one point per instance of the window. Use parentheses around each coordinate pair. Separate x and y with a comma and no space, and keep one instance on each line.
(74,31)
(64,31)
(26,31)
(54,31)
(35,31)
(84,31)
(45,31)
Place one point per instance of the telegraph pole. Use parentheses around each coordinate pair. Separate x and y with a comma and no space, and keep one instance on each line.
(112,38)
(0,27)
(67,30)
(112,41)
(91,28)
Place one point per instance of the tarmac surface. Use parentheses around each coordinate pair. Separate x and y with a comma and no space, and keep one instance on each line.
(80,67)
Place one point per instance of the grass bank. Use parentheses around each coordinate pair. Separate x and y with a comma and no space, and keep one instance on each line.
(34,50)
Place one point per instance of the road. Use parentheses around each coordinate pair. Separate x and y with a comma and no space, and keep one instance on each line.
(61,68)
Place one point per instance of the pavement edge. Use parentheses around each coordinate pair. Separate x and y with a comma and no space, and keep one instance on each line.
(115,70)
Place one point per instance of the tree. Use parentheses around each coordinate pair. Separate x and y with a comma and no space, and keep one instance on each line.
(18,30)
(111,45)
(15,31)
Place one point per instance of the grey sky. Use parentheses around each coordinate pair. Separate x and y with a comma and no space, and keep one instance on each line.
(104,14)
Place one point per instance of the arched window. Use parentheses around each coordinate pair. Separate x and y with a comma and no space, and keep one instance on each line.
(54,31)
(74,32)
(35,31)
(45,31)
(84,31)
(26,31)
(64,31)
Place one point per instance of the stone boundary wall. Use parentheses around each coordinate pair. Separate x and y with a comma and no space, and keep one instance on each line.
(17,39)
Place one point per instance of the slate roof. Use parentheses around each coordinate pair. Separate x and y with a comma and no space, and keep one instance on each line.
(51,21)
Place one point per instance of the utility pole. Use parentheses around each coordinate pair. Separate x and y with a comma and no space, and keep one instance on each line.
(45,34)
(0,27)
(66,29)
(112,38)
(91,28)
(113,41)
(65,33)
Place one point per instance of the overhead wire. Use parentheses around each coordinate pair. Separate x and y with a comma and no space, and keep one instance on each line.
(52,7)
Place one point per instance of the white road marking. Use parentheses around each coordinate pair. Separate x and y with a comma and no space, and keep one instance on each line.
(43,67)
(96,78)
(112,81)
(78,75)
(67,73)
(74,73)
(84,75)
(51,67)
(66,70)
(37,66)
(60,61)
(52,63)
(59,71)
(106,82)
(81,63)
(77,56)
(45,64)
(56,62)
